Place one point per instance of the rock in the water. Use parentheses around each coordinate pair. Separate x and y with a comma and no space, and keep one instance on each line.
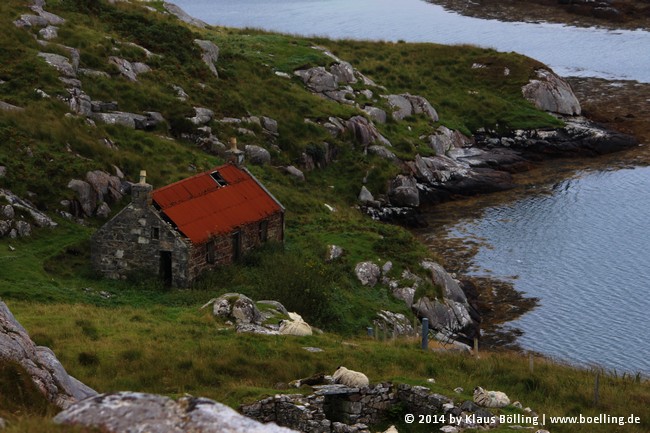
(318,79)
(132,412)
(40,363)
(60,63)
(257,155)
(210,54)
(367,273)
(403,191)
(550,93)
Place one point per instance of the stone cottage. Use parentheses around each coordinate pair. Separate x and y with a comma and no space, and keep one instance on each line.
(183,229)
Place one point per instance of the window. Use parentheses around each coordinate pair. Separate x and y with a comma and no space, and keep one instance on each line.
(216,176)
(155,233)
(263,230)
(209,252)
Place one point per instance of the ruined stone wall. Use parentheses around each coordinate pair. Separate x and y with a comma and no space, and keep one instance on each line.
(339,409)
(130,245)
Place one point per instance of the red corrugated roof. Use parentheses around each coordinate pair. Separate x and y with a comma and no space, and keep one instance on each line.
(201,208)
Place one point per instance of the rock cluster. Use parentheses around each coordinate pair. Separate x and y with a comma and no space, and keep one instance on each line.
(17,216)
(93,195)
(247,316)
(40,363)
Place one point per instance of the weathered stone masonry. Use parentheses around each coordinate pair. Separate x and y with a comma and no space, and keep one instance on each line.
(233,217)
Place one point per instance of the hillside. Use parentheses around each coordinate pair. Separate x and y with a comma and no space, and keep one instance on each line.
(112,88)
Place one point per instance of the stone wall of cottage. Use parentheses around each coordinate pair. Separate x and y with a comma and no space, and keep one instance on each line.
(130,244)
(223,245)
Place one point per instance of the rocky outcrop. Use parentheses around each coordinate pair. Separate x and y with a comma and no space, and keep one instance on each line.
(40,363)
(133,412)
(405,105)
(393,324)
(365,132)
(18,216)
(183,16)
(550,93)
(129,70)
(60,63)
(247,316)
(210,54)
(202,116)
(92,196)
(318,79)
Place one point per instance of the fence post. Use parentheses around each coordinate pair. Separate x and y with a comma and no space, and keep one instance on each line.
(425,334)
(530,362)
(476,347)
(596,385)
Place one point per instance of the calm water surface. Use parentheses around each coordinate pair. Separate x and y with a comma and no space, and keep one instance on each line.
(584,250)
(568,50)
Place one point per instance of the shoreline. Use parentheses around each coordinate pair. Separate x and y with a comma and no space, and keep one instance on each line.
(617,15)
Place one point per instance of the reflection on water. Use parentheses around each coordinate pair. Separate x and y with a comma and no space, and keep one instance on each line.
(568,50)
(582,249)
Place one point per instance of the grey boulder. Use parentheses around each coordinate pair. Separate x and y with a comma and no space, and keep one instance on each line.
(257,155)
(210,54)
(318,79)
(403,192)
(134,412)
(60,63)
(550,93)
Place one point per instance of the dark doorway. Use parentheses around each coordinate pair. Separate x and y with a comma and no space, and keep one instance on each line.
(166,267)
(236,246)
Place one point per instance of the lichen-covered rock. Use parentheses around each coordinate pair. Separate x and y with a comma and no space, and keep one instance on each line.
(51,18)
(49,33)
(333,252)
(550,93)
(405,105)
(60,63)
(202,116)
(84,195)
(257,155)
(376,114)
(210,54)
(125,67)
(344,72)
(133,412)
(394,324)
(130,120)
(318,79)
(367,273)
(40,363)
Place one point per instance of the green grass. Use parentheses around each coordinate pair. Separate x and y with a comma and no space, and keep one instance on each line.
(144,337)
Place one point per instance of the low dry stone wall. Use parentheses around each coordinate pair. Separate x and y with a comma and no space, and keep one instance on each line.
(339,409)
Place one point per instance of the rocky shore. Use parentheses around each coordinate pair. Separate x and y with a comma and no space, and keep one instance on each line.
(614,14)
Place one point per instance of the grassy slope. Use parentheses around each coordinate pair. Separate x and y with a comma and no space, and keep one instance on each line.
(112,344)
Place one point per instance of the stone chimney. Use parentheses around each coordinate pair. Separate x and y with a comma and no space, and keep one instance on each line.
(233,154)
(141,191)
